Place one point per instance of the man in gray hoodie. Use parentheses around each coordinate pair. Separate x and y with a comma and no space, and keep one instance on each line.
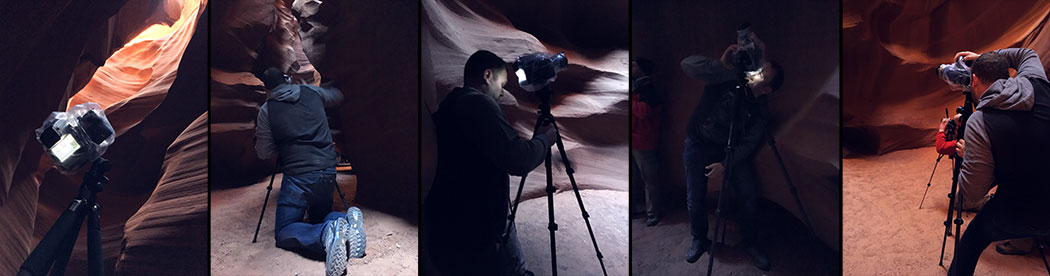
(292,124)
(1005,144)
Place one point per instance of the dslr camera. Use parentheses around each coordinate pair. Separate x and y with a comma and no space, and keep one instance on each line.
(957,74)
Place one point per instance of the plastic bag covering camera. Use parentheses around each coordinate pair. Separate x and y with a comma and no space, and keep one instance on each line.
(750,55)
(76,137)
(536,70)
(957,75)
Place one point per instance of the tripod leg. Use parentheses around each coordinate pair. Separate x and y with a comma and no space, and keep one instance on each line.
(94,236)
(551,226)
(787,177)
(931,180)
(719,218)
(341,197)
(1041,253)
(513,214)
(956,164)
(66,249)
(43,256)
(265,201)
(579,200)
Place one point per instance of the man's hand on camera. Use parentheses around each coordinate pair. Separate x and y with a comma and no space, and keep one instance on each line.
(727,57)
(548,130)
(944,123)
(759,44)
(967,55)
(960,147)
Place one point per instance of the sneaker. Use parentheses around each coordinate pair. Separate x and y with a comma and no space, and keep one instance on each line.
(334,238)
(1006,248)
(355,234)
(758,258)
(652,221)
(696,249)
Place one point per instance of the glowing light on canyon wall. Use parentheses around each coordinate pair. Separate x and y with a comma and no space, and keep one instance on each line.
(143,70)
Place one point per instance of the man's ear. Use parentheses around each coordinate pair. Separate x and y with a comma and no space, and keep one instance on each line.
(487,75)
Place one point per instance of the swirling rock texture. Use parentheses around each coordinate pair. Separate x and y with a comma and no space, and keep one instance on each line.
(590,104)
(142,60)
(895,100)
(801,36)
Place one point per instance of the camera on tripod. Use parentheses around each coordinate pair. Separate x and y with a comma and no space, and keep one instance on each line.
(535,71)
(748,57)
(957,74)
(76,137)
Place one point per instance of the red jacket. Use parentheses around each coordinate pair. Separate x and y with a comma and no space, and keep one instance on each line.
(645,125)
(945,147)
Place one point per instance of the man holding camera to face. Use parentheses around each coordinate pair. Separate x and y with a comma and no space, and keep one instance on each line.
(708,133)
(1010,114)
(467,207)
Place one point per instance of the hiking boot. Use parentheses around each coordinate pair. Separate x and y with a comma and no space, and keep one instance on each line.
(696,249)
(334,238)
(758,258)
(1007,248)
(355,234)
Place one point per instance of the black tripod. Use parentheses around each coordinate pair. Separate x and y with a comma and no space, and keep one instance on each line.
(744,93)
(545,117)
(267,200)
(965,110)
(949,131)
(53,251)
(929,182)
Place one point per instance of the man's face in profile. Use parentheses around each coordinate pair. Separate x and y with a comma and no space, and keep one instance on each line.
(495,81)
(760,82)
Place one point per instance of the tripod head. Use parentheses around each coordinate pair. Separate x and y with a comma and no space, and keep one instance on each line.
(95,178)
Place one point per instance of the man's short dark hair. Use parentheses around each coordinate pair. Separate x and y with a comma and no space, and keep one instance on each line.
(646,65)
(991,67)
(272,77)
(778,80)
(479,62)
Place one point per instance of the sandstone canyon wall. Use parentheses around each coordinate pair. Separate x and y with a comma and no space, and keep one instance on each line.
(893,98)
(143,62)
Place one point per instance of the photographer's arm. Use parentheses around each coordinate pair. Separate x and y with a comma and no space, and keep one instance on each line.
(486,126)
(977,172)
(1026,61)
(264,145)
(708,69)
(330,95)
(942,145)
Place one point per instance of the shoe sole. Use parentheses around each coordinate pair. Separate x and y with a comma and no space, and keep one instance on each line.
(355,236)
(335,261)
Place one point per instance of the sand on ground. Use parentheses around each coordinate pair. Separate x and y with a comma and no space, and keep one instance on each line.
(885,232)
(792,250)
(391,249)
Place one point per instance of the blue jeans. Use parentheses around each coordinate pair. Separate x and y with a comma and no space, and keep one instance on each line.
(302,194)
(696,156)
